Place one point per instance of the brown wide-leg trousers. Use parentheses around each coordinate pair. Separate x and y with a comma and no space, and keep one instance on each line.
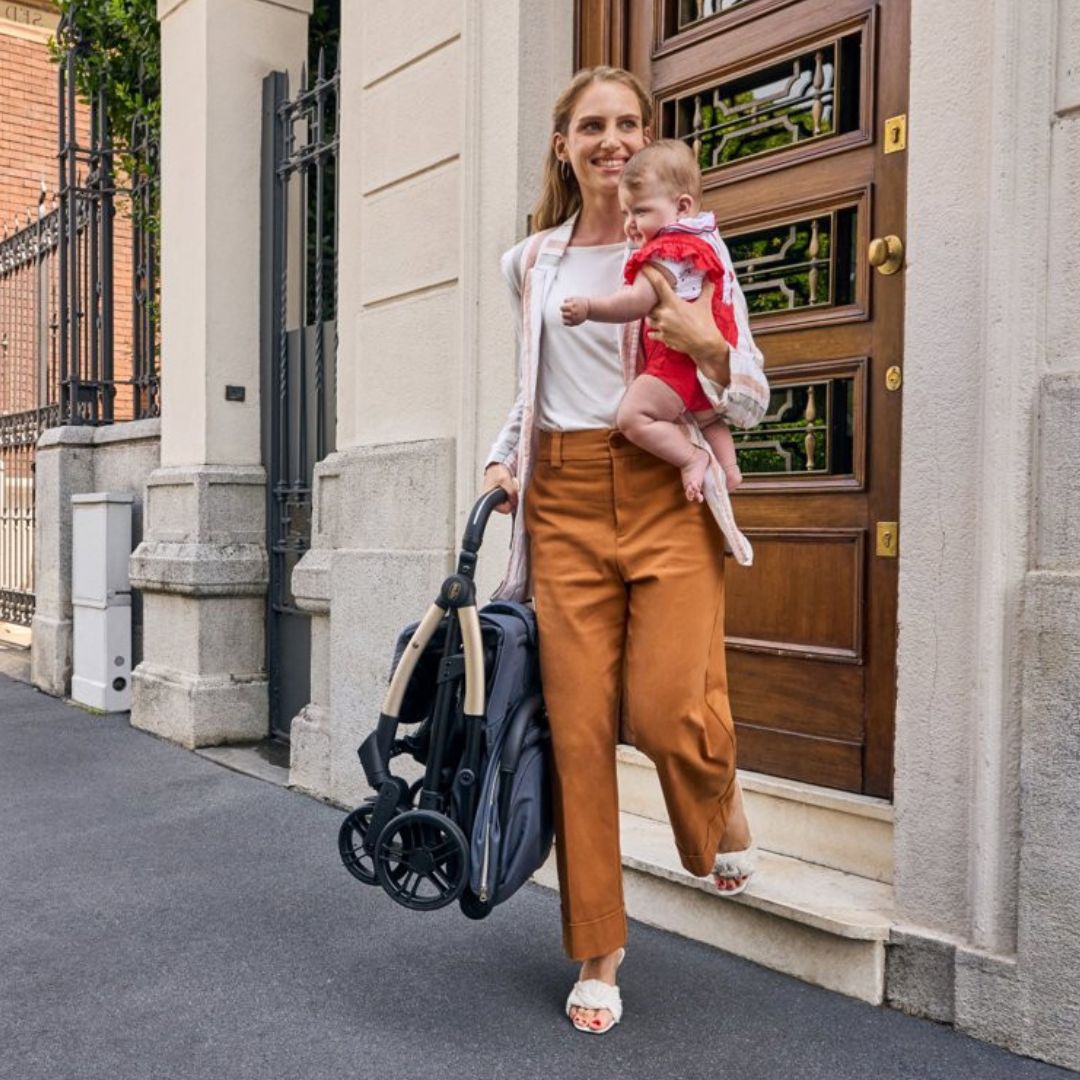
(628,582)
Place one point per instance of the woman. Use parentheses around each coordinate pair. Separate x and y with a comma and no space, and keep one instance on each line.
(626,575)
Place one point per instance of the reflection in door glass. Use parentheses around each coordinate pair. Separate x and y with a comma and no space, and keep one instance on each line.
(809,430)
(797,265)
(811,96)
(694,11)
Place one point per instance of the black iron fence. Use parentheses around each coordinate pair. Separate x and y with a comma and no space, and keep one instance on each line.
(29,280)
(79,334)
(18,435)
(28,285)
(107,298)
(299,349)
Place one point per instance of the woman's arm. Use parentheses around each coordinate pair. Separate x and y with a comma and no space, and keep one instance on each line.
(689,328)
(504,449)
(502,457)
(732,376)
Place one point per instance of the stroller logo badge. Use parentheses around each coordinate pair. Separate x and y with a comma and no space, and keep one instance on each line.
(454,592)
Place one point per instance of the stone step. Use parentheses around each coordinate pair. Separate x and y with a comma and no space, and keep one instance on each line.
(818,924)
(832,828)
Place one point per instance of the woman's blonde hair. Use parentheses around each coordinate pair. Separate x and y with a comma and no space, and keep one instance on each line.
(560,195)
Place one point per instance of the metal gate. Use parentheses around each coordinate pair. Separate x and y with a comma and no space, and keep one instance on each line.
(28,277)
(18,436)
(299,351)
(78,343)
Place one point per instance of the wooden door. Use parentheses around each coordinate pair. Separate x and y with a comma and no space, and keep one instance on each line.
(792,107)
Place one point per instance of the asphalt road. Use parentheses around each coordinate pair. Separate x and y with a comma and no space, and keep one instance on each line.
(164,917)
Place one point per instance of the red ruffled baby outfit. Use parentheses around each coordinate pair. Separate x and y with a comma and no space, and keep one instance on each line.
(684,248)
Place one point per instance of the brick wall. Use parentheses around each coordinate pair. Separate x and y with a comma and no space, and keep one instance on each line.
(28,119)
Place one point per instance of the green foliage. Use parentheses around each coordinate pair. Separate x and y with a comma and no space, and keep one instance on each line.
(324,32)
(117,50)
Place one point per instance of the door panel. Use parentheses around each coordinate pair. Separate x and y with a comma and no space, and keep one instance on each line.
(802,596)
(784,103)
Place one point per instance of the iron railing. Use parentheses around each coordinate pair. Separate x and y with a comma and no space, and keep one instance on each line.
(29,280)
(28,286)
(79,336)
(18,435)
(92,388)
(299,348)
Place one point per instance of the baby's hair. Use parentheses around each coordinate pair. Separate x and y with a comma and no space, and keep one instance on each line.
(669,161)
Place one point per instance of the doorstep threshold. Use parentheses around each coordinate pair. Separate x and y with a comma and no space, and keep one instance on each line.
(836,902)
(796,791)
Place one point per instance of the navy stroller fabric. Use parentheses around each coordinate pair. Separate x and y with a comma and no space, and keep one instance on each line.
(512,832)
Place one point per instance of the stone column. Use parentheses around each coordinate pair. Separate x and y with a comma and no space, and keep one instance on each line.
(202,567)
(1030,1001)
(1048,943)
(64,466)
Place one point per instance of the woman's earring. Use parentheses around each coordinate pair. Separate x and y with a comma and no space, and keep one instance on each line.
(564,170)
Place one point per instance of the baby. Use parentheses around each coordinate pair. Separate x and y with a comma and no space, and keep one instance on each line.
(660,194)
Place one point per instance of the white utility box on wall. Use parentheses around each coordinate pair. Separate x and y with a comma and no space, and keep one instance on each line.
(101,600)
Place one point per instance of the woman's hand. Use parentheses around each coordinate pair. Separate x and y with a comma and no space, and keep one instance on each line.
(689,328)
(496,475)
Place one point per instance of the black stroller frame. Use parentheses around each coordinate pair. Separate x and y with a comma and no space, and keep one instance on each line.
(414,840)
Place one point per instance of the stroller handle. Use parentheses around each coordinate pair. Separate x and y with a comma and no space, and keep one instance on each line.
(478,518)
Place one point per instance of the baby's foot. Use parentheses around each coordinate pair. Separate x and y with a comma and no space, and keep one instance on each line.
(733,477)
(693,474)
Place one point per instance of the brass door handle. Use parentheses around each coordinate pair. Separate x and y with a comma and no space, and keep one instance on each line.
(886,254)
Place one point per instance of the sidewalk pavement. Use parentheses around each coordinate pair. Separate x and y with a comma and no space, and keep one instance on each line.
(14,657)
(163,917)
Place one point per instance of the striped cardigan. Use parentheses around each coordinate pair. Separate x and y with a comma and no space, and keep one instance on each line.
(530,268)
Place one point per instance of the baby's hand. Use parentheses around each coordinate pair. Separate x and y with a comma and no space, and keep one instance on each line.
(575,310)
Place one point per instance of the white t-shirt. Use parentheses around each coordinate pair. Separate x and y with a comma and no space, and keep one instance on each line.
(580,379)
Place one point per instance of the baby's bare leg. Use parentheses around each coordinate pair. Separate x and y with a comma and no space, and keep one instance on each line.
(647,416)
(718,436)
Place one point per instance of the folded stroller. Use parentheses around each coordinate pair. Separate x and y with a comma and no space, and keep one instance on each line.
(479,822)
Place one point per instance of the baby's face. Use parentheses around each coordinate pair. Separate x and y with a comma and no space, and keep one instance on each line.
(647,210)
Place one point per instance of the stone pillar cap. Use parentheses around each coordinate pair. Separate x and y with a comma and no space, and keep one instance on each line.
(103,497)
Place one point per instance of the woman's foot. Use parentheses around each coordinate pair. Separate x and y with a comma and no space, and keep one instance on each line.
(736,838)
(604,969)
(693,474)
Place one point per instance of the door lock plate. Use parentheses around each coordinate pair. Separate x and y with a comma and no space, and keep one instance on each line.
(896,134)
(888,539)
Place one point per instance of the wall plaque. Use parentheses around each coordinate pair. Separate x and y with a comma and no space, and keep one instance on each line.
(35,21)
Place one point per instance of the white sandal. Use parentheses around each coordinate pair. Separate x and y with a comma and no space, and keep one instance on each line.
(596,994)
(733,866)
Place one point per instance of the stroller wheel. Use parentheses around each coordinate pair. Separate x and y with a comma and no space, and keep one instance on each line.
(422,860)
(351,838)
(472,907)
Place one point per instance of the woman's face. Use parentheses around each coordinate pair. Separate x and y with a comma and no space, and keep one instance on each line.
(605,132)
